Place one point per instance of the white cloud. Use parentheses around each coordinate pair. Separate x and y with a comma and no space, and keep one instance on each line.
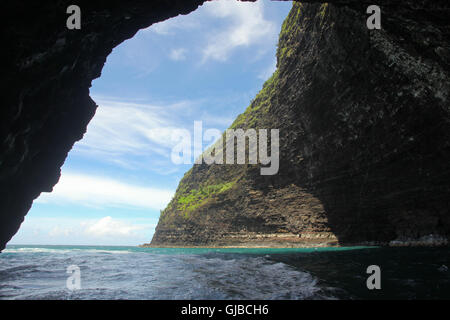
(241,24)
(122,130)
(108,226)
(178,54)
(60,231)
(104,192)
(138,136)
(107,230)
(248,27)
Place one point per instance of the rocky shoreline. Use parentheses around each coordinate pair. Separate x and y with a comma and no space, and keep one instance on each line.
(425,241)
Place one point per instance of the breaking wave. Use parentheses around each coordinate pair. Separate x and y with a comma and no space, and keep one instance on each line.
(41,273)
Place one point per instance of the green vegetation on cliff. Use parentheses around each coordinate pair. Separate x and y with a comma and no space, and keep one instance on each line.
(253,115)
(191,195)
(257,114)
(196,197)
(288,35)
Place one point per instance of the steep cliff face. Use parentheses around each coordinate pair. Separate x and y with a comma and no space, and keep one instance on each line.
(364,121)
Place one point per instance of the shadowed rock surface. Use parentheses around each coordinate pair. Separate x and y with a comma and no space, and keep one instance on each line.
(46,75)
(364,139)
(363,118)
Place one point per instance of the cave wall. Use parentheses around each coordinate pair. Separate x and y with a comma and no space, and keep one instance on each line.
(46,75)
(47,72)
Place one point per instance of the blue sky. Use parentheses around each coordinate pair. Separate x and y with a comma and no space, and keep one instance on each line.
(205,66)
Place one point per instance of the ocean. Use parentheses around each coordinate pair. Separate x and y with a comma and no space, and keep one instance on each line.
(113,272)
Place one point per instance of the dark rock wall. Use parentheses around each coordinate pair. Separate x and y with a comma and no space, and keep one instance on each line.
(349,97)
(46,74)
(365,137)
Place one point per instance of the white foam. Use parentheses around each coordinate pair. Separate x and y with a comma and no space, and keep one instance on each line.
(256,278)
(61,251)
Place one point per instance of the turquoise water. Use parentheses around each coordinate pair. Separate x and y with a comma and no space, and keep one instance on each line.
(257,251)
(112,272)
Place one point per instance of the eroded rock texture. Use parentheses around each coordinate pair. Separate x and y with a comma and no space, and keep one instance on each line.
(365,138)
(46,74)
(364,120)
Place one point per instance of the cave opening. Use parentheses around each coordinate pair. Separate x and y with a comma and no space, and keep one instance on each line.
(205,66)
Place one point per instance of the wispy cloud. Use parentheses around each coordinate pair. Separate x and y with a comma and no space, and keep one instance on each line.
(229,24)
(92,191)
(178,54)
(140,136)
(122,130)
(247,27)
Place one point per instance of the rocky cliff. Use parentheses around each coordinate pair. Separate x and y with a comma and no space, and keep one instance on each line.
(46,73)
(364,121)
